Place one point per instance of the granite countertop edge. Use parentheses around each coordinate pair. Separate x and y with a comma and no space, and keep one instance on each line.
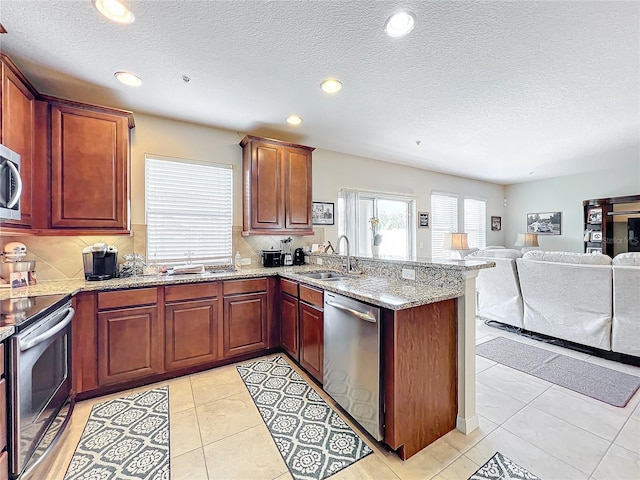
(6,332)
(385,292)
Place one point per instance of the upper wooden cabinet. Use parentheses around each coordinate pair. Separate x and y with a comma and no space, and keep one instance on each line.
(276,187)
(89,168)
(18,130)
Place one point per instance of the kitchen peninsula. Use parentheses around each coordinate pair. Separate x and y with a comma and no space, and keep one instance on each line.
(427,332)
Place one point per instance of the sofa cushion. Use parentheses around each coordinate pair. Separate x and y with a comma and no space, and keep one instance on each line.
(630,258)
(568,257)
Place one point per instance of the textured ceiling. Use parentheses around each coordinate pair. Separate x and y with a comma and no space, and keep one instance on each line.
(491,90)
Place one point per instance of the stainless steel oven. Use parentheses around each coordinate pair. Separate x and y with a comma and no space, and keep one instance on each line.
(39,382)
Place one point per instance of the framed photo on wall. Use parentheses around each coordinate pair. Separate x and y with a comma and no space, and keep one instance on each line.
(596,236)
(546,223)
(496,224)
(322,213)
(423,219)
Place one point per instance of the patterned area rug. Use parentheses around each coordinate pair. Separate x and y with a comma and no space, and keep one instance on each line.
(604,384)
(312,439)
(500,467)
(125,439)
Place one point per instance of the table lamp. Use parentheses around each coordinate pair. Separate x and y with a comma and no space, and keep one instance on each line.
(455,242)
(527,241)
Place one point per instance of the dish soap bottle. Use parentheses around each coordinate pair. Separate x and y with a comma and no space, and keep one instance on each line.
(238,260)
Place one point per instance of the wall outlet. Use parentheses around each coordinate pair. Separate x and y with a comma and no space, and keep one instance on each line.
(408,274)
(421,245)
(245,261)
(319,261)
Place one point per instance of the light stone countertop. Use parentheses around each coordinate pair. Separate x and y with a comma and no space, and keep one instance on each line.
(6,332)
(388,292)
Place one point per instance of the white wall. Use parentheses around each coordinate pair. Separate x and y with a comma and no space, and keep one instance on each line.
(565,194)
(331,171)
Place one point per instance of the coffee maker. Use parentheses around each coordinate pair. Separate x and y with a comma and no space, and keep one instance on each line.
(100,261)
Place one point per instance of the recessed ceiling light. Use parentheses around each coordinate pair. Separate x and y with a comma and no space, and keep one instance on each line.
(331,85)
(114,10)
(294,120)
(399,24)
(128,79)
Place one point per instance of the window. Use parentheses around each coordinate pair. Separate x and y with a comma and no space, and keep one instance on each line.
(444,219)
(394,212)
(475,222)
(189,209)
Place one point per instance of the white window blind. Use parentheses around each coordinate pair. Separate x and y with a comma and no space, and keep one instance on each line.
(189,209)
(444,219)
(475,222)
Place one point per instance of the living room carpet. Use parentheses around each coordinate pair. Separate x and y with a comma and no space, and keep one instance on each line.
(125,439)
(604,384)
(500,467)
(311,437)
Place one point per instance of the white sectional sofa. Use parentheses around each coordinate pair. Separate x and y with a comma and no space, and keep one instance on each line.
(625,333)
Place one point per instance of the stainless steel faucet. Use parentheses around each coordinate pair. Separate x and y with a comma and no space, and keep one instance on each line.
(348,265)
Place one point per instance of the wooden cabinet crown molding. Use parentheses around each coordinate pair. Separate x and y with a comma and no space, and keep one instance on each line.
(8,63)
(94,108)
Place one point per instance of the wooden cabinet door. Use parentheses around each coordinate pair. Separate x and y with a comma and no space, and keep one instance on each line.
(312,339)
(297,170)
(4,465)
(191,333)
(267,201)
(129,344)
(3,414)
(289,324)
(245,324)
(89,169)
(18,128)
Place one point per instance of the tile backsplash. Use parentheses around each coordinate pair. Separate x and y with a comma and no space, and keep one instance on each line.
(60,257)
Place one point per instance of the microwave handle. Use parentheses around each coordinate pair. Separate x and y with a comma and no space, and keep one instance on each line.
(16,195)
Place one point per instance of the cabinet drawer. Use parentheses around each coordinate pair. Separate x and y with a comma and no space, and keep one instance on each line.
(1,359)
(231,287)
(287,286)
(312,296)
(127,298)
(175,293)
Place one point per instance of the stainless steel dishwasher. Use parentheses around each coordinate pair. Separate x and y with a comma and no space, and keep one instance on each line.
(352,367)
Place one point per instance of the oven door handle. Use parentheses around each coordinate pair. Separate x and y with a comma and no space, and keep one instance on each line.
(16,195)
(49,333)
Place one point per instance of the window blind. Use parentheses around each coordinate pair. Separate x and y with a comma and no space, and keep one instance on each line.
(475,222)
(189,210)
(444,219)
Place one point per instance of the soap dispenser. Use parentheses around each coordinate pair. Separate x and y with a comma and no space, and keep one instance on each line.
(238,260)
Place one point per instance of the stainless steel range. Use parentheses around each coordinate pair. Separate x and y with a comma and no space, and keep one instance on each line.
(39,376)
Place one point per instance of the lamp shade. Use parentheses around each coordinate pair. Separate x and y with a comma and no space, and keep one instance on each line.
(455,241)
(527,240)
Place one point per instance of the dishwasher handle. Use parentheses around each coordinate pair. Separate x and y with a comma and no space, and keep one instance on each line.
(361,315)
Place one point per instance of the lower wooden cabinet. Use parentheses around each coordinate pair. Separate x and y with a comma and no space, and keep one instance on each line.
(312,339)
(289,324)
(245,324)
(129,344)
(4,466)
(191,333)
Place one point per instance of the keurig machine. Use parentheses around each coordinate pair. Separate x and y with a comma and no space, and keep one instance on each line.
(100,261)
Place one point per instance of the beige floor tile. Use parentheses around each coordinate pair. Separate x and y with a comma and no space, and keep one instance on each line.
(483,363)
(514,383)
(189,466)
(424,464)
(180,396)
(285,476)
(226,417)
(371,467)
(215,384)
(582,411)
(460,469)
(250,454)
(572,445)
(184,433)
(462,442)
(629,437)
(494,405)
(618,464)
(525,454)
(636,413)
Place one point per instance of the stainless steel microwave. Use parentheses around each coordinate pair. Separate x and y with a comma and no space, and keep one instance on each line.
(10,184)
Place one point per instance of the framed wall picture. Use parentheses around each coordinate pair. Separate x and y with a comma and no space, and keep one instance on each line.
(322,213)
(594,250)
(546,223)
(423,219)
(596,236)
(496,224)
(594,215)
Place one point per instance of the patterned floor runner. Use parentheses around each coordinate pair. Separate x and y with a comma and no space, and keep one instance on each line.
(500,467)
(312,439)
(125,439)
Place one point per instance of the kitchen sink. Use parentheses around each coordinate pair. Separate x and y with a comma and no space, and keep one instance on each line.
(324,275)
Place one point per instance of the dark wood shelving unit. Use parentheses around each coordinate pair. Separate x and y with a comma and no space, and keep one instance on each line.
(597,220)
